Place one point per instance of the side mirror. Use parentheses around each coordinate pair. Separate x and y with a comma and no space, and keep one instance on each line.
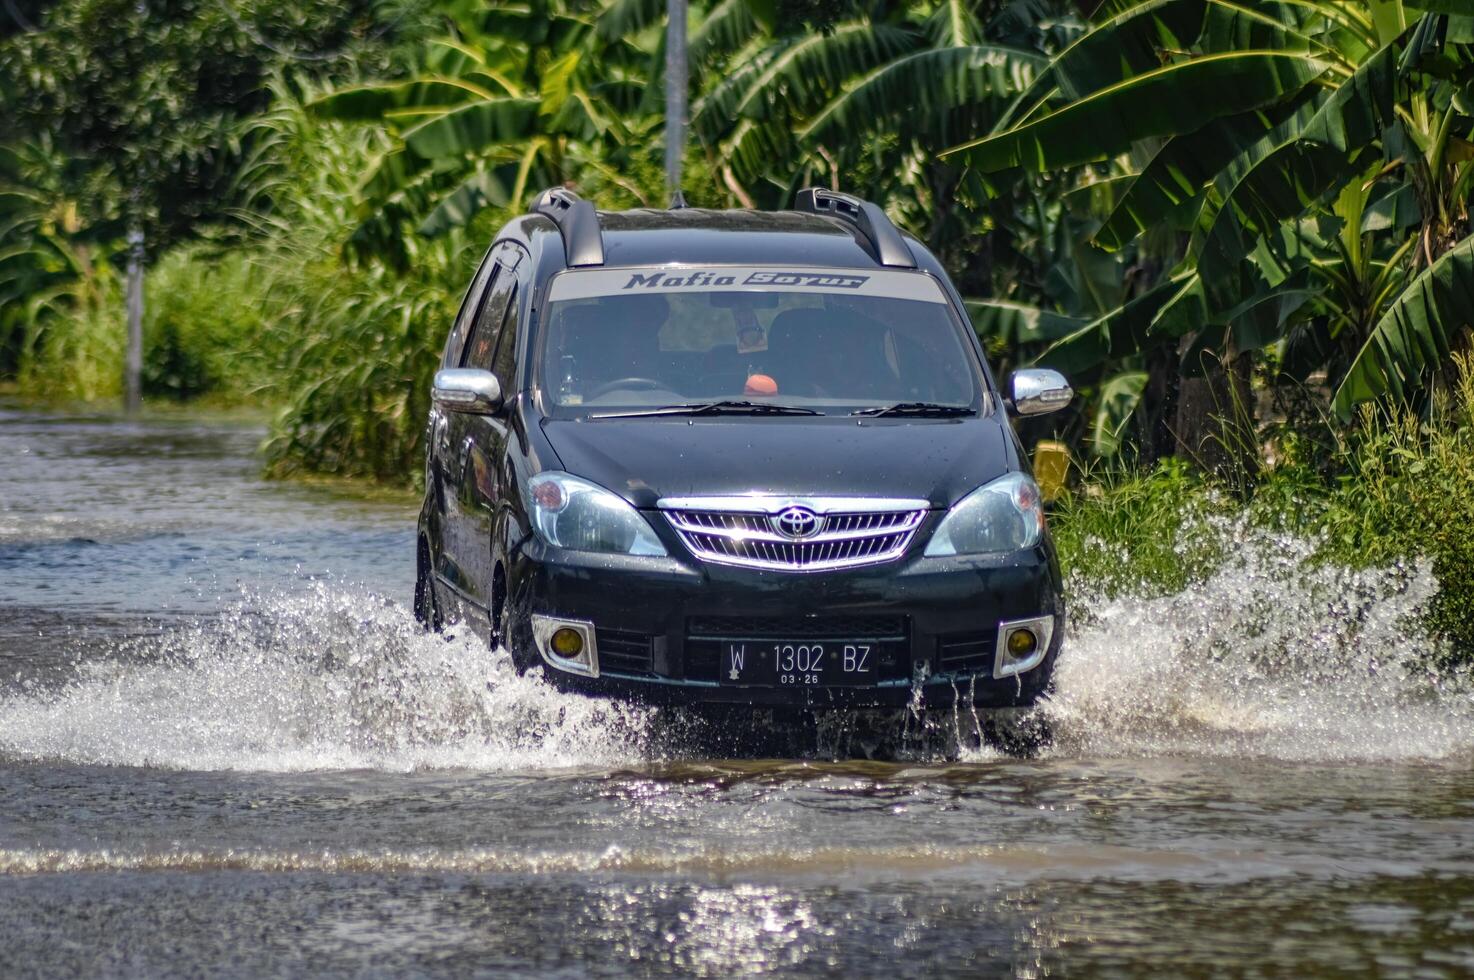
(471,391)
(1037,391)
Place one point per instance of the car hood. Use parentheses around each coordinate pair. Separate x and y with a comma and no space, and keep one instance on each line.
(647,459)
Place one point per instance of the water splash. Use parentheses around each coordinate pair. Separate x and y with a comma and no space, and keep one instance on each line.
(331,679)
(1272,655)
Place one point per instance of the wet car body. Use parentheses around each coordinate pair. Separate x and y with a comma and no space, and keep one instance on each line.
(686,621)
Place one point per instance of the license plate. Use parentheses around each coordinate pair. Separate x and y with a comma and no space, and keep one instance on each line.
(804,663)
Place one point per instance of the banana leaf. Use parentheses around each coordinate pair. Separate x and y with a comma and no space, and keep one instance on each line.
(370,103)
(1119,398)
(1018,323)
(487,188)
(1121,332)
(1131,41)
(805,73)
(1119,49)
(1169,101)
(628,17)
(473,127)
(1178,173)
(1294,166)
(1416,333)
(729,26)
(925,83)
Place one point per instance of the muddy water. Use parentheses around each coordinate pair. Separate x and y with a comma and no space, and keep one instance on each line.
(225,750)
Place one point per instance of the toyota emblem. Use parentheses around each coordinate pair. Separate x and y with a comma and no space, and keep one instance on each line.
(798,522)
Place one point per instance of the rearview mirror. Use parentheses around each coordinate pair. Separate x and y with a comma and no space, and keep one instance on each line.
(1037,391)
(468,390)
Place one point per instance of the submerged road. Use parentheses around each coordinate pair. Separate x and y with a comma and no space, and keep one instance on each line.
(225,750)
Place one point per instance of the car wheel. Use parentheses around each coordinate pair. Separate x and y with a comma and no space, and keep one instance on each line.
(427,610)
(517,638)
(1022,732)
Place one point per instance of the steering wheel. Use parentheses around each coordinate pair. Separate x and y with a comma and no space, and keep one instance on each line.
(638,384)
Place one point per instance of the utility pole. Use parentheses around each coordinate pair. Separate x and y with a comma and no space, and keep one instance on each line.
(133,359)
(675,94)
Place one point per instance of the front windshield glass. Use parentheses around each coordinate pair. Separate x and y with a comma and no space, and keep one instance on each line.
(831,343)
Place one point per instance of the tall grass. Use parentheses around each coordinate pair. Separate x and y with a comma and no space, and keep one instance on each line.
(1140,533)
(1408,489)
(354,378)
(74,351)
(353,344)
(1401,487)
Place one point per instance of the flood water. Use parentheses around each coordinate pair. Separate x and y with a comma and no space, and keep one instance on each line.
(225,750)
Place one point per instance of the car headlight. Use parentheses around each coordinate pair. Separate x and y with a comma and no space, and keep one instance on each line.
(1002,516)
(581,516)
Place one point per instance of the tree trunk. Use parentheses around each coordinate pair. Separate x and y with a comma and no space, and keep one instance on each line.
(1215,419)
(133,359)
(675,94)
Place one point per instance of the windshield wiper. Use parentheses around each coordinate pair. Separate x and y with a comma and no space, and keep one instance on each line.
(710,408)
(928,410)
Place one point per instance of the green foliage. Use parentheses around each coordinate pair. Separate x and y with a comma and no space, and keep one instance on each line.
(144,99)
(1407,491)
(494,111)
(1315,189)
(1402,490)
(1167,101)
(79,354)
(1168,184)
(348,346)
(204,334)
(1140,534)
(355,376)
(1417,332)
(205,328)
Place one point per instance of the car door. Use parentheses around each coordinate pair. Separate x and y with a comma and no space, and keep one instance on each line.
(441,464)
(475,443)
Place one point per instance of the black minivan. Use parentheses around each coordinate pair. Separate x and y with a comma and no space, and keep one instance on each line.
(736,457)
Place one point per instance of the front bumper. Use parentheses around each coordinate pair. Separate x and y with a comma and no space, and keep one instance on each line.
(659,624)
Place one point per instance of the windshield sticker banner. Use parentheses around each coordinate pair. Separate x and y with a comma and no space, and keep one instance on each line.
(587,283)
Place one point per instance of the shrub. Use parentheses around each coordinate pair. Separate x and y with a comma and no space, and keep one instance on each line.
(360,346)
(1408,490)
(76,351)
(204,325)
(1402,489)
(1139,534)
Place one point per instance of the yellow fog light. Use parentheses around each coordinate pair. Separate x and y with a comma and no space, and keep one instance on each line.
(567,642)
(1021,643)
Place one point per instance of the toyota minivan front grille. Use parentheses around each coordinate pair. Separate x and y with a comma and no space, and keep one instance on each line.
(795,535)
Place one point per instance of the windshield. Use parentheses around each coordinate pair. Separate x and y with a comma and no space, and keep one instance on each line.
(830,343)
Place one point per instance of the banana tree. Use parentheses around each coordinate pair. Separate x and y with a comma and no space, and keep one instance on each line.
(514,99)
(862,99)
(53,260)
(1309,162)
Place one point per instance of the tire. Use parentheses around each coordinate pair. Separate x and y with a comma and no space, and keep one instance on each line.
(427,610)
(1023,732)
(517,637)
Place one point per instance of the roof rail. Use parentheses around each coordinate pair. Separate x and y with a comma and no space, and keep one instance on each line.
(866,217)
(577,222)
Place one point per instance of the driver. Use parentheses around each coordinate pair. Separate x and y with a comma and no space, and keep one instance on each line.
(636,322)
(615,339)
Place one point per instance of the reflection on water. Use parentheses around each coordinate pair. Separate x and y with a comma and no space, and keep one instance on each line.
(225,748)
(459,925)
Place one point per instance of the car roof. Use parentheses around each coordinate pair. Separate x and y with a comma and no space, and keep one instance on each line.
(699,236)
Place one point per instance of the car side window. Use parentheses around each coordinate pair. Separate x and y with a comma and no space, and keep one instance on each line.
(481,344)
(504,364)
(455,343)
